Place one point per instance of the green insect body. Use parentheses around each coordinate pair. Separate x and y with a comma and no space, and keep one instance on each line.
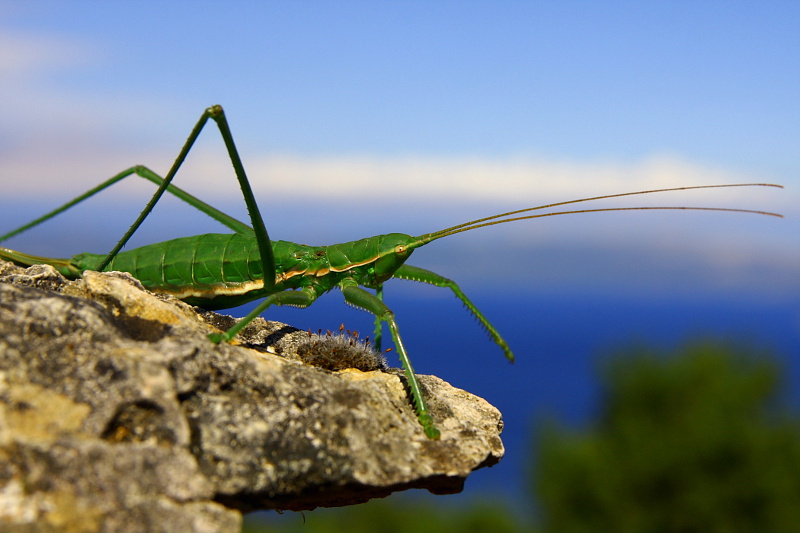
(219,271)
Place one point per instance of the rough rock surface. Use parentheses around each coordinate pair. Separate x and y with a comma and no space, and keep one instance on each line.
(117,414)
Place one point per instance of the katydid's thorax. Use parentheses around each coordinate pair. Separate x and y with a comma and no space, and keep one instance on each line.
(219,271)
(370,261)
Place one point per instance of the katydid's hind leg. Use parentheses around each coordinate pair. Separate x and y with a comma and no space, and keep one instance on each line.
(426,276)
(146,173)
(226,220)
(363,299)
(75,201)
(262,238)
(265,248)
(289,297)
(160,191)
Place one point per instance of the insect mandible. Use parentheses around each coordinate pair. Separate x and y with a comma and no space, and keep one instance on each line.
(218,271)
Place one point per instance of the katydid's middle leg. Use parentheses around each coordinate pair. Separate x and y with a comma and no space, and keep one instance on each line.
(432,278)
(289,297)
(363,299)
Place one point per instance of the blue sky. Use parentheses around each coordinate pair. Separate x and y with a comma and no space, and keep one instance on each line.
(357,118)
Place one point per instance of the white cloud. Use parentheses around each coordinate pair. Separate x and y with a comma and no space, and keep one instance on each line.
(508,181)
(512,181)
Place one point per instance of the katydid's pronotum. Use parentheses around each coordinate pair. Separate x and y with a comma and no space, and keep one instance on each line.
(217,271)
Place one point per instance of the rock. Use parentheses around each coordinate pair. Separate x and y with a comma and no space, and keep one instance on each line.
(117,414)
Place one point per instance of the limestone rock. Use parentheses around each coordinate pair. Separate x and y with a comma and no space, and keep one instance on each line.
(117,414)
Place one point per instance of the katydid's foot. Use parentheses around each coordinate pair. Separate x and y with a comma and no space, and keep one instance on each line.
(217,338)
(430,428)
(432,433)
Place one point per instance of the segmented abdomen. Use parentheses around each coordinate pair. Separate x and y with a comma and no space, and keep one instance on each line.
(201,265)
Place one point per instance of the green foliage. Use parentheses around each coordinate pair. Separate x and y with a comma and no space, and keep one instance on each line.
(684,444)
(397,515)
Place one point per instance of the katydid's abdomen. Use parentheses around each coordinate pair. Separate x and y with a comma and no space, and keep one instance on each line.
(213,271)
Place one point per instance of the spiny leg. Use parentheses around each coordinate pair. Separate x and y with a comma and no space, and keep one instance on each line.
(146,173)
(289,297)
(426,276)
(359,297)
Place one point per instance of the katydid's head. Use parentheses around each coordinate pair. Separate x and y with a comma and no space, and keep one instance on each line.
(393,250)
(416,242)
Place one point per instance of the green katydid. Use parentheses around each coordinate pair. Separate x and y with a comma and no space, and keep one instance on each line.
(217,271)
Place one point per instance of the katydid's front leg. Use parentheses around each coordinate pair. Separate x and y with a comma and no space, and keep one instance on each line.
(426,276)
(378,337)
(359,297)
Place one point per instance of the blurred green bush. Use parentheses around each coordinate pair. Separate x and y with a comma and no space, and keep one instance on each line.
(692,442)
